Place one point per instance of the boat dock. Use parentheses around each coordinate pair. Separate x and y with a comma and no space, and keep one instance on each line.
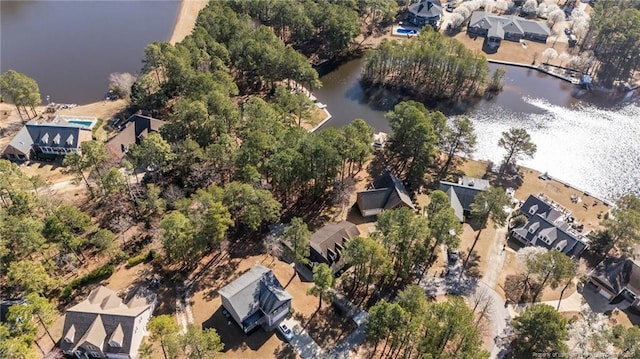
(545,68)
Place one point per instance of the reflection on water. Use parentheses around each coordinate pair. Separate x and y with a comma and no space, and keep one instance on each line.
(594,149)
(589,142)
(71,47)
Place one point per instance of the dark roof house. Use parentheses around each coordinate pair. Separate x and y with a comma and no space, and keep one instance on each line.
(425,12)
(497,28)
(104,326)
(462,194)
(618,280)
(388,192)
(547,227)
(135,130)
(328,243)
(5,304)
(256,298)
(59,137)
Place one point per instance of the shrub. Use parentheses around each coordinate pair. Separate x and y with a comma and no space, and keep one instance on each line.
(100,273)
(134,261)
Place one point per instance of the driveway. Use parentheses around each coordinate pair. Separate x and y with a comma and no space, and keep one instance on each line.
(302,342)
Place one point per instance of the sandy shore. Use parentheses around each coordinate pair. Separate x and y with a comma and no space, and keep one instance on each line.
(187,16)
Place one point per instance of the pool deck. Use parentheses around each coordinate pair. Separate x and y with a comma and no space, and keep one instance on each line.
(87,122)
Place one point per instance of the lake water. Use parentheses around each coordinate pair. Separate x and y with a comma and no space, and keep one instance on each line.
(71,47)
(588,142)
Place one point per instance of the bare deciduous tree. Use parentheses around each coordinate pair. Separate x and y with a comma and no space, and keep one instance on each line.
(530,7)
(121,82)
(481,302)
(549,54)
(457,20)
(273,247)
(556,16)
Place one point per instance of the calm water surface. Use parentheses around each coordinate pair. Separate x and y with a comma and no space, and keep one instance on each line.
(71,47)
(587,142)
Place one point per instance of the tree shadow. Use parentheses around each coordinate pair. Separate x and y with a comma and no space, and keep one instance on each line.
(232,336)
(328,328)
(285,351)
(473,263)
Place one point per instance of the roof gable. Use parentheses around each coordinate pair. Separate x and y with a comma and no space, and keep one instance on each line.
(136,128)
(388,193)
(102,318)
(258,289)
(426,8)
(329,241)
(464,194)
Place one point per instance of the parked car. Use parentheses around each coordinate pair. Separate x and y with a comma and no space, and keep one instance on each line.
(286,332)
(567,31)
(452,255)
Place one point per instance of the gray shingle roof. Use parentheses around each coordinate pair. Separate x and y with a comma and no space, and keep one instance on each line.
(541,226)
(616,274)
(103,315)
(136,128)
(509,24)
(426,8)
(328,237)
(258,289)
(22,141)
(388,193)
(465,193)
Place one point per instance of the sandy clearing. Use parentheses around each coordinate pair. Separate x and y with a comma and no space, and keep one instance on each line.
(186,20)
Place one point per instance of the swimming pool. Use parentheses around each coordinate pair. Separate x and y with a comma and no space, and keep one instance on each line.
(87,124)
(406,31)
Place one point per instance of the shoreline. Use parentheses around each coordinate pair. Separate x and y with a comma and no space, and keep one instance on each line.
(186,20)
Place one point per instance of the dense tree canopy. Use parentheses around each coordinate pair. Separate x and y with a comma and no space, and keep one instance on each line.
(413,138)
(614,38)
(23,91)
(430,66)
(539,329)
(412,327)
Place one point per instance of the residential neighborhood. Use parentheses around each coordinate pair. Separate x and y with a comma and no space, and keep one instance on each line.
(314,179)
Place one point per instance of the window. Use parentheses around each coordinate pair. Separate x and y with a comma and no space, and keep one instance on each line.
(533,209)
(56,139)
(533,227)
(70,140)
(45,138)
(560,246)
(544,238)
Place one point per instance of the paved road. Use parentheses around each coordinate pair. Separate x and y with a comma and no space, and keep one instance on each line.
(302,342)
(497,255)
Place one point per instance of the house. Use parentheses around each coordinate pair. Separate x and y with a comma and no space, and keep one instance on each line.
(5,304)
(496,28)
(63,135)
(136,128)
(425,12)
(104,326)
(618,280)
(548,227)
(328,243)
(388,192)
(255,299)
(462,194)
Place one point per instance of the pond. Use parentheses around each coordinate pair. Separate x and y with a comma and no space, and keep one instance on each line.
(589,141)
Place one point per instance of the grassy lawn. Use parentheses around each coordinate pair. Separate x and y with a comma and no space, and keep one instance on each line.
(317,115)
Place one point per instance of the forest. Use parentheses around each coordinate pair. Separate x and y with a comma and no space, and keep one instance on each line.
(431,67)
